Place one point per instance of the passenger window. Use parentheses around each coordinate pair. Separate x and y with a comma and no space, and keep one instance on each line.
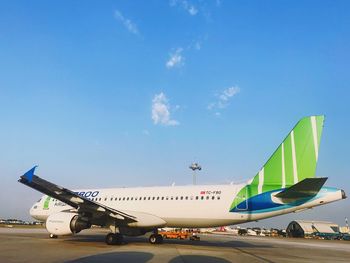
(202,197)
(162,197)
(120,198)
(218,197)
(186,197)
(157,197)
(123,198)
(115,199)
(181,197)
(132,198)
(196,197)
(99,199)
(176,198)
(167,198)
(144,198)
(127,199)
(213,197)
(207,197)
(111,198)
(105,198)
(153,198)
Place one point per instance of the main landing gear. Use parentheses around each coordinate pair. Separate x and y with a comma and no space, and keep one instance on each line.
(156,239)
(117,239)
(114,239)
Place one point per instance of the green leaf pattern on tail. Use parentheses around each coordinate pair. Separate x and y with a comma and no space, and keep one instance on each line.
(294,160)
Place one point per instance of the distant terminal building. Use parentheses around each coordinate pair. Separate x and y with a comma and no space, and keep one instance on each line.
(18,222)
(303,228)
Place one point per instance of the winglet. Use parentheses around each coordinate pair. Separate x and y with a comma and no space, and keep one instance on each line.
(29,175)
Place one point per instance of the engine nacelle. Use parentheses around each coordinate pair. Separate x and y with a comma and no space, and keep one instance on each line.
(66,223)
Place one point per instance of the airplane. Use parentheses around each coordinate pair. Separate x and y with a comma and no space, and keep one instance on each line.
(285,184)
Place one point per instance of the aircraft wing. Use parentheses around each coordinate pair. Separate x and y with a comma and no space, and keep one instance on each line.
(82,204)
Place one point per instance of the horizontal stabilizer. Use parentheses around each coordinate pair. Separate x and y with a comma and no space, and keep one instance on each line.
(306,188)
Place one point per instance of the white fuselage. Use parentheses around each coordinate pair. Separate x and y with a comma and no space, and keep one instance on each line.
(178,206)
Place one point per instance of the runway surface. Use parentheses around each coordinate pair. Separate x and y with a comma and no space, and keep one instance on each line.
(33,245)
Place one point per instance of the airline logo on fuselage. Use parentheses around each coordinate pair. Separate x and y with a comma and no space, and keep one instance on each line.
(88,193)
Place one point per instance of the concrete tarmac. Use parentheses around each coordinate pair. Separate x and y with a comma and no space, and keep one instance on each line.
(34,245)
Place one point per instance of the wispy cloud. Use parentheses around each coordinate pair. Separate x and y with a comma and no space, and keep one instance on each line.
(223,99)
(198,45)
(161,111)
(186,5)
(127,23)
(192,10)
(176,59)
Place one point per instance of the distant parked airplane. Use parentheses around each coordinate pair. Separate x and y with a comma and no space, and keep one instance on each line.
(285,184)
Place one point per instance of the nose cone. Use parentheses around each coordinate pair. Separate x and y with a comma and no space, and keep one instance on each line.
(33,211)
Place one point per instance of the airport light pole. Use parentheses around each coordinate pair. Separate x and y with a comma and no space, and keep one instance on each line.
(194,167)
(347,225)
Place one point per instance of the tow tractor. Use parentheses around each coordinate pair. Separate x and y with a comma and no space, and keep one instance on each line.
(179,234)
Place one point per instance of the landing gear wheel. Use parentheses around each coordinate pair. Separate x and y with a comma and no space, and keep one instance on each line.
(153,239)
(110,239)
(156,239)
(114,239)
(53,236)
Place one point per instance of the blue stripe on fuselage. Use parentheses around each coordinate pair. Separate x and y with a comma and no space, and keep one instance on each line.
(263,203)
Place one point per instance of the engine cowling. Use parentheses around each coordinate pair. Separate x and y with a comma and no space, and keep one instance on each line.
(66,223)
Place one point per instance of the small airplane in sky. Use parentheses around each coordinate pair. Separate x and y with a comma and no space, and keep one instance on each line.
(285,184)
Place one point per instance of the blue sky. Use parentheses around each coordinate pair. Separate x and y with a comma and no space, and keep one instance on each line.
(129,93)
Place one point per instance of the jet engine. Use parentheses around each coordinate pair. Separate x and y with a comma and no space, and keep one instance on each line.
(66,223)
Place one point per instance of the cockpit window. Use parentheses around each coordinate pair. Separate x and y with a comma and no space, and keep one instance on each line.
(35,207)
(39,200)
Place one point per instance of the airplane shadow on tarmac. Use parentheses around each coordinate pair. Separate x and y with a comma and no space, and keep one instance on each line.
(130,256)
(134,256)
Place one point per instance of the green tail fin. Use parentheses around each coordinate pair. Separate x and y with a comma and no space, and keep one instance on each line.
(294,160)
